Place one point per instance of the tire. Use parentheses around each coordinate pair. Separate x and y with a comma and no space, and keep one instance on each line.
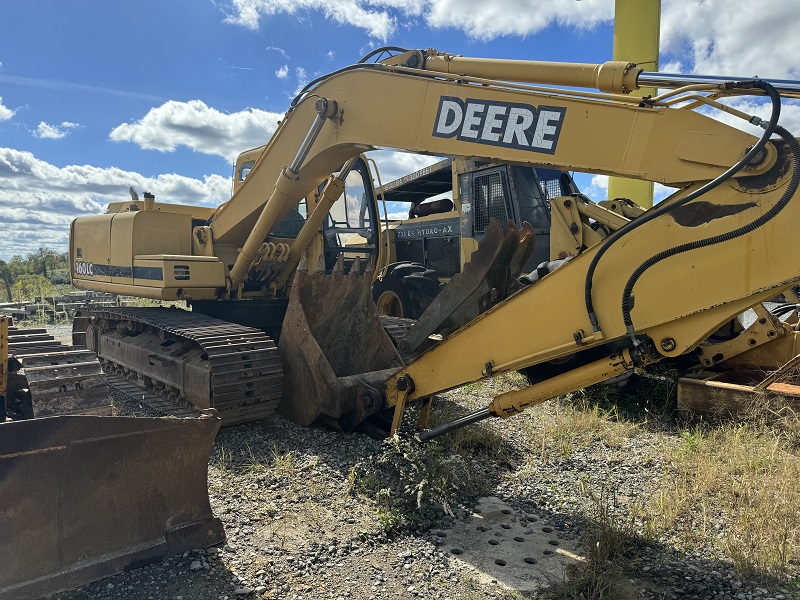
(406,290)
(391,297)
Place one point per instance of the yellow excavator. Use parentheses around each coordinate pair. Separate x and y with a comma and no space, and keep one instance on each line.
(273,263)
(281,308)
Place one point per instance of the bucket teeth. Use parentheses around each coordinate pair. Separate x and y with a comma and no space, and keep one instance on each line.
(338,269)
(303,264)
(335,352)
(320,264)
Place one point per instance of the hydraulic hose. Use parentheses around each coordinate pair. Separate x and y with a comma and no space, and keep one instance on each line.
(361,64)
(788,194)
(770,127)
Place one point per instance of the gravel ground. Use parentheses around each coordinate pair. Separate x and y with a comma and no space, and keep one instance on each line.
(299,523)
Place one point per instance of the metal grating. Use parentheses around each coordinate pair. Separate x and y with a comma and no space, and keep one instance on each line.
(411,250)
(489,200)
(551,187)
(181,272)
(443,256)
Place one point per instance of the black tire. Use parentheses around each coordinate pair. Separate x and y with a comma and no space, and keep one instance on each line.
(391,297)
(406,288)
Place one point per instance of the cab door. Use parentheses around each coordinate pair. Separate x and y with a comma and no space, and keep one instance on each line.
(351,227)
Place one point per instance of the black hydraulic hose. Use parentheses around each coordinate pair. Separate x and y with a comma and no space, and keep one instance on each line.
(650,215)
(788,194)
(301,94)
(382,50)
(361,64)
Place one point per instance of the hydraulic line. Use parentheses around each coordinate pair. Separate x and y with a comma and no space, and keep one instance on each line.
(790,191)
(361,64)
(770,127)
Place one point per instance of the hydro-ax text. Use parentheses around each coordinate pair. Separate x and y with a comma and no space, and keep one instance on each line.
(508,124)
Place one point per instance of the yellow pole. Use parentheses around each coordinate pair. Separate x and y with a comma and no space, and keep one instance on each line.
(636,30)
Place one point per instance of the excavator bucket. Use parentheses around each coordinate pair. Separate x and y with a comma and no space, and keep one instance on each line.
(84,497)
(336,354)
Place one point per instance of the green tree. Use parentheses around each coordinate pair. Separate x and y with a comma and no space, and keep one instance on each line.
(28,286)
(5,278)
(43,259)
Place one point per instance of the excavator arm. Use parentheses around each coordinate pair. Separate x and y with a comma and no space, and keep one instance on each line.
(450,107)
(655,287)
(427,111)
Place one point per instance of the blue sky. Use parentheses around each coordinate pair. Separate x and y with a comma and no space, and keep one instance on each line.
(96,96)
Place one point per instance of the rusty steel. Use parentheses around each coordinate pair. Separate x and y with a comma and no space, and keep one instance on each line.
(336,354)
(54,379)
(485,280)
(84,497)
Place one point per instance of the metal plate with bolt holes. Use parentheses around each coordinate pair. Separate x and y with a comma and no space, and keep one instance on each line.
(521,551)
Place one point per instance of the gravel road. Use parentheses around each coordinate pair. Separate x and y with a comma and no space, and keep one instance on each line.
(303,520)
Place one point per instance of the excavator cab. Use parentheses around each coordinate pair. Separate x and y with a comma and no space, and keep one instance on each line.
(350,229)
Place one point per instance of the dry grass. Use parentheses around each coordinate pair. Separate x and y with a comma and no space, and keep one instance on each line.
(744,475)
(571,426)
(733,486)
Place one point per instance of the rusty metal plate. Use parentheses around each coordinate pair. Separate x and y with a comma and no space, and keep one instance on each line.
(84,497)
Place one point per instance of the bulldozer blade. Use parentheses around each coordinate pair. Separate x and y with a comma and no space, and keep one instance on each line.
(486,279)
(336,354)
(84,497)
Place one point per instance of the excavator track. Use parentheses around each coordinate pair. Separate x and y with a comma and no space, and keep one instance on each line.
(50,378)
(182,362)
(396,327)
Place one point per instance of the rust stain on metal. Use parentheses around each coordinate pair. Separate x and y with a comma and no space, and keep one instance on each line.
(85,497)
(336,354)
(699,213)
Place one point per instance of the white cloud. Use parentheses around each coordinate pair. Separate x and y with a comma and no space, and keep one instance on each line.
(5,112)
(331,55)
(38,200)
(476,18)
(704,36)
(199,127)
(302,79)
(46,131)
(280,51)
(733,37)
(377,24)
(488,20)
(394,165)
(600,182)
(283,72)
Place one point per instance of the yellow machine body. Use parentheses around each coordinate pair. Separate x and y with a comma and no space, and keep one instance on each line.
(499,112)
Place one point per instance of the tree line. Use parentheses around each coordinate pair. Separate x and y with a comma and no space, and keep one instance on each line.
(36,274)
